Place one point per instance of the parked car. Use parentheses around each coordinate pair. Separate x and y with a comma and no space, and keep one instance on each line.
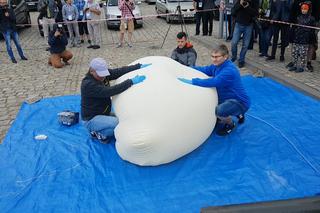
(32,4)
(170,6)
(21,11)
(151,1)
(112,12)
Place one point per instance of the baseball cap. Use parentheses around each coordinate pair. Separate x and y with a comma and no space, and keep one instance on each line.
(100,66)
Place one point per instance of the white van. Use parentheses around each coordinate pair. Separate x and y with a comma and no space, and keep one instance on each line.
(170,6)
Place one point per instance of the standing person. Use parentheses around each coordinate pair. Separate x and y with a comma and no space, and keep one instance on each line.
(244,12)
(233,100)
(59,18)
(70,16)
(48,12)
(265,32)
(197,6)
(280,11)
(58,41)
(8,29)
(184,53)
(228,7)
(126,7)
(303,37)
(92,13)
(96,93)
(207,17)
(82,22)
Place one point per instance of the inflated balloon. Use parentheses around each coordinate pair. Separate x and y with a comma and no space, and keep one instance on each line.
(162,118)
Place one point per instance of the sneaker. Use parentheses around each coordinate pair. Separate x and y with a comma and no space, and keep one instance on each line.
(129,45)
(240,119)
(293,68)
(291,64)
(281,58)
(102,139)
(241,64)
(95,47)
(24,58)
(270,58)
(227,129)
(119,45)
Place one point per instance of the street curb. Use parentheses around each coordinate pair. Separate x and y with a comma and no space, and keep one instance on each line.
(267,72)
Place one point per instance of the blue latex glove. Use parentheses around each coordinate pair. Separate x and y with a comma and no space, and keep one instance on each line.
(138,79)
(144,65)
(187,81)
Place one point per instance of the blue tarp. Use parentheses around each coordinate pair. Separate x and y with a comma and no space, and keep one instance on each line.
(273,155)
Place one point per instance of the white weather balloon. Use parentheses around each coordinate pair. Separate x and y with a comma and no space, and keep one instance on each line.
(162,119)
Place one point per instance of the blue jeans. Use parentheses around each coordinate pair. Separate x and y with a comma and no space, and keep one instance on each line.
(246,32)
(264,40)
(230,107)
(7,36)
(102,124)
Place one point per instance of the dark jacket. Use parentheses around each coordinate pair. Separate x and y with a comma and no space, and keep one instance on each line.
(303,35)
(280,10)
(7,23)
(95,95)
(57,44)
(186,55)
(245,16)
(45,6)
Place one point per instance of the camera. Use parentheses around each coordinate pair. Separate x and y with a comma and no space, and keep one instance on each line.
(60,28)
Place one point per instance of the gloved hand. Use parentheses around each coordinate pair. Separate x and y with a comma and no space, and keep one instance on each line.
(144,65)
(138,79)
(187,81)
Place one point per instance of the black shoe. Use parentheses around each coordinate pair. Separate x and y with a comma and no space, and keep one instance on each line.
(293,68)
(270,58)
(24,58)
(14,60)
(241,64)
(204,34)
(233,59)
(227,129)
(281,58)
(48,49)
(90,46)
(95,47)
(89,41)
(229,38)
(82,41)
(291,64)
(210,34)
(240,119)
(299,70)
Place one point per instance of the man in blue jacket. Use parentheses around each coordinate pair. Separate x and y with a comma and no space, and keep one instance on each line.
(232,97)
(8,29)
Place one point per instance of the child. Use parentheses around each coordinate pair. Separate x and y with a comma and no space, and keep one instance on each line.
(303,36)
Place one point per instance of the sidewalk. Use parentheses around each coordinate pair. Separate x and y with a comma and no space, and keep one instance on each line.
(306,82)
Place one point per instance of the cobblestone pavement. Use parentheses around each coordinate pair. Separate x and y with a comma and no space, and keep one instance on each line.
(35,78)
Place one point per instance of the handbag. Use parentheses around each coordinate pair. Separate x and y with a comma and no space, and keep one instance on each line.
(134,19)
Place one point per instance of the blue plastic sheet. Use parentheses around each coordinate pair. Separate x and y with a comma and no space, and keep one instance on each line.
(273,155)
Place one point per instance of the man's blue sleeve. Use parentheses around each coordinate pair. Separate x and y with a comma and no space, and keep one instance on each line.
(205,69)
(224,79)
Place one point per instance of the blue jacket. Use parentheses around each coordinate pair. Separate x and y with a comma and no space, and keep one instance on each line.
(57,44)
(226,78)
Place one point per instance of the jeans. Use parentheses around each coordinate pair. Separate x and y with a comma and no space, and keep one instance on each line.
(246,32)
(264,40)
(230,107)
(102,124)
(7,36)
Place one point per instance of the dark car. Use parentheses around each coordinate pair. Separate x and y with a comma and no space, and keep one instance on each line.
(32,4)
(22,13)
